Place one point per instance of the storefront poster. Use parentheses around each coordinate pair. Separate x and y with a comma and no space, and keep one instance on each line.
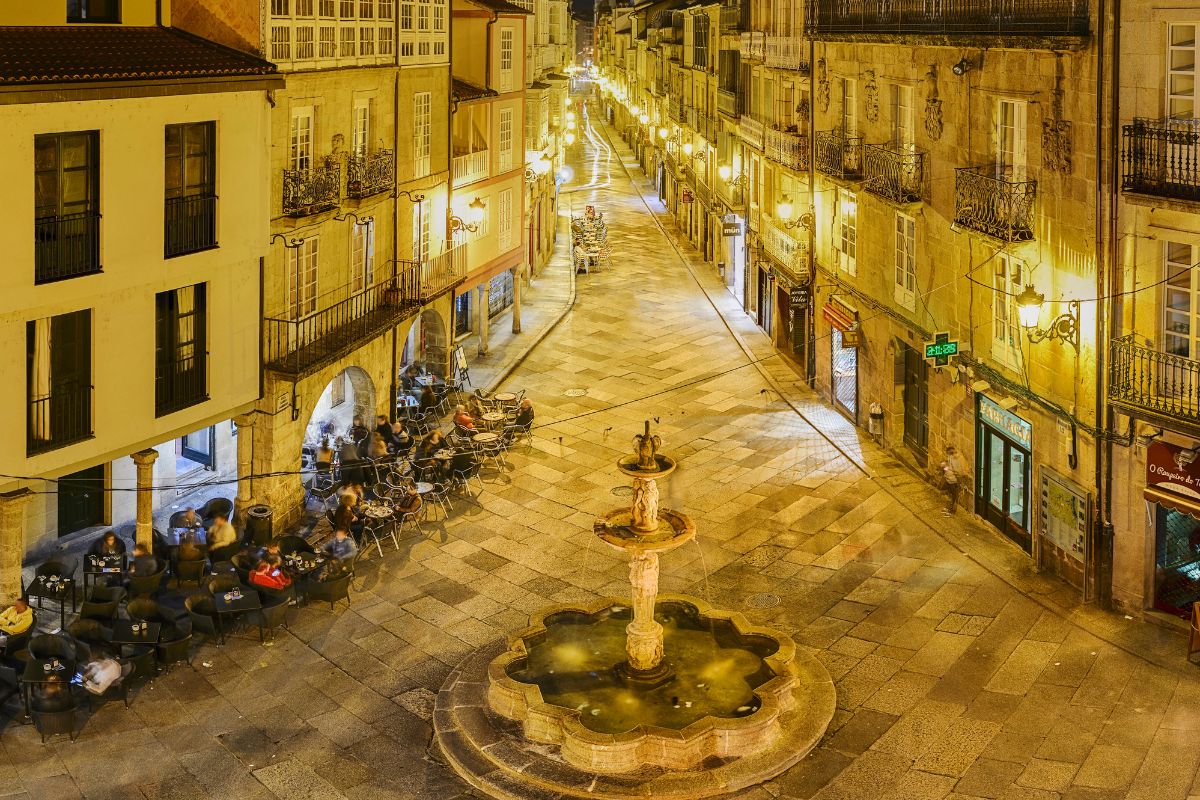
(1173,469)
(1064,514)
(1012,426)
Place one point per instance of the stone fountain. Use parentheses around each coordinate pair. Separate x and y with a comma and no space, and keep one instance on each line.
(663,696)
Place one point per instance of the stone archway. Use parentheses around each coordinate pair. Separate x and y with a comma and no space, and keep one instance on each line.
(349,394)
(427,343)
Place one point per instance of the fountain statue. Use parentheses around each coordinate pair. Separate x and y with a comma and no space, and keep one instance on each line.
(664,682)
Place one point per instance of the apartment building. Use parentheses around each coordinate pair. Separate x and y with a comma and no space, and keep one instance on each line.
(136,157)
(358,275)
(488,171)
(870,180)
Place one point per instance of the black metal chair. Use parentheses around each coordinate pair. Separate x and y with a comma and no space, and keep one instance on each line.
(51,723)
(289,545)
(223,583)
(215,506)
(91,632)
(203,617)
(190,570)
(143,609)
(10,684)
(18,642)
(273,613)
(52,645)
(117,690)
(329,591)
(102,603)
(174,645)
(144,661)
(147,584)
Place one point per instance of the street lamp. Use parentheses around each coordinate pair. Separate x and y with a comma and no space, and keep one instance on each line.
(644,119)
(687,149)
(569,138)
(662,133)
(784,211)
(1064,327)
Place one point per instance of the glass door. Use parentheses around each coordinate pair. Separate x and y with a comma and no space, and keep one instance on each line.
(845,375)
(1002,495)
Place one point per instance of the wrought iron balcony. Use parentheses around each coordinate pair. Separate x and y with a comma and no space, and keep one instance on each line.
(728,102)
(190,224)
(786,52)
(439,273)
(370,174)
(60,418)
(311,191)
(1161,158)
(734,17)
(787,148)
(66,246)
(179,384)
(297,347)
(787,251)
(1147,381)
(893,171)
(839,155)
(972,17)
(991,201)
(753,45)
(751,131)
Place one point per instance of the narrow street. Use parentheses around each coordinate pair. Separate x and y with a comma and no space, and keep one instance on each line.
(958,673)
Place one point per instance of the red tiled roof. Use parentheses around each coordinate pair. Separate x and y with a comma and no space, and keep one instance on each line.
(85,53)
(464,91)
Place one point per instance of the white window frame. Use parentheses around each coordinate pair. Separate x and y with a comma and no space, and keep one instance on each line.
(504,225)
(422,133)
(1181,87)
(1180,301)
(849,98)
(505,138)
(301,137)
(421,228)
(303,277)
(507,60)
(1006,324)
(903,125)
(847,240)
(906,262)
(362,255)
(360,141)
(1012,138)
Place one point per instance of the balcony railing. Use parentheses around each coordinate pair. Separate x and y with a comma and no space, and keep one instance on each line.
(311,191)
(992,202)
(179,384)
(751,131)
(1143,379)
(895,172)
(299,346)
(370,174)
(66,246)
(993,17)
(780,245)
(438,274)
(839,155)
(754,45)
(734,17)
(190,224)
(786,52)
(60,418)
(787,148)
(1162,158)
(470,167)
(728,103)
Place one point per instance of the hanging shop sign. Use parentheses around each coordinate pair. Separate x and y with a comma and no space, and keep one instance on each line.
(1008,423)
(686,196)
(845,318)
(939,351)
(1065,509)
(1173,477)
(798,297)
(731,228)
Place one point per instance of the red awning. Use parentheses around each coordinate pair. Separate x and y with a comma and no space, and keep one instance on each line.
(837,317)
(1175,502)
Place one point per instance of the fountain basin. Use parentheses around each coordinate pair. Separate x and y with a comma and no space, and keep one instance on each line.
(616,528)
(664,466)
(748,672)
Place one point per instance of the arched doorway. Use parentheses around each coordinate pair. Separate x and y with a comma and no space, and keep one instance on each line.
(426,345)
(350,394)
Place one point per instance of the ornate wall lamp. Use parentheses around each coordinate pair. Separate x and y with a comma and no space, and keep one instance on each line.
(457,223)
(1064,327)
(784,211)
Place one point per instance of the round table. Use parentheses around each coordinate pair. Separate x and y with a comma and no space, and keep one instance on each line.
(424,488)
(504,397)
(377,510)
(487,437)
(493,417)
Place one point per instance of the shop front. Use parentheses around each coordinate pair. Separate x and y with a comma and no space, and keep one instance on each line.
(795,335)
(845,337)
(1003,447)
(732,259)
(1173,495)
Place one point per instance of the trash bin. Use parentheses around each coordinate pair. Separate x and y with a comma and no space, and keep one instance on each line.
(258,525)
(875,420)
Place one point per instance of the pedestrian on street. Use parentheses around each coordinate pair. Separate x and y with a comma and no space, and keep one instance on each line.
(951,468)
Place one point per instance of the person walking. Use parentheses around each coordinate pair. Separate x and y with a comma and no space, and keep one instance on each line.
(952,470)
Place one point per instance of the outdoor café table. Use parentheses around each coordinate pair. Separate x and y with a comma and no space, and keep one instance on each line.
(486,437)
(226,602)
(123,632)
(174,536)
(95,565)
(301,565)
(504,397)
(39,670)
(492,418)
(54,587)
(424,488)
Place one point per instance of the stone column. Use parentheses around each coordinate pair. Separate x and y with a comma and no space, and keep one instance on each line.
(145,495)
(644,636)
(516,308)
(245,466)
(481,309)
(12,543)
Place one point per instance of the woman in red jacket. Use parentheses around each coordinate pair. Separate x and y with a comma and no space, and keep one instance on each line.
(270,577)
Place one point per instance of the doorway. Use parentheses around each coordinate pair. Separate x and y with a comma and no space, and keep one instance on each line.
(1002,491)
(765,296)
(916,402)
(196,450)
(845,376)
(81,500)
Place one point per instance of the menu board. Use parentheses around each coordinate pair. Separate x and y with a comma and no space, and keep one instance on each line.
(1063,510)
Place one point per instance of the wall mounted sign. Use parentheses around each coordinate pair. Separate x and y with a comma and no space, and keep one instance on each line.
(798,298)
(1064,515)
(1173,469)
(731,228)
(940,349)
(1008,423)
(686,196)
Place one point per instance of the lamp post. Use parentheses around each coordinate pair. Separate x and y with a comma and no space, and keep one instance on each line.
(1064,327)
(784,210)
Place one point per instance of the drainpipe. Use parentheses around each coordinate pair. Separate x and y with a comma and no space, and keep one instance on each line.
(158,17)
(395,230)
(811,312)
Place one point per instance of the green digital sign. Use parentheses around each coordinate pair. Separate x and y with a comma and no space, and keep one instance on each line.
(941,349)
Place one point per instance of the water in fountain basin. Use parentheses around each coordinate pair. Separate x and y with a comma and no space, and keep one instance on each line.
(715,669)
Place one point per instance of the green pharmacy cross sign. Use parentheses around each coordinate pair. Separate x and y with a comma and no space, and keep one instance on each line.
(940,349)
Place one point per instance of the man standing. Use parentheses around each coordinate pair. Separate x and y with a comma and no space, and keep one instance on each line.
(952,469)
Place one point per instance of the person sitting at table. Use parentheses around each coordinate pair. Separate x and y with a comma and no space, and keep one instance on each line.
(463,420)
(341,547)
(190,519)
(475,408)
(410,501)
(408,380)
(344,517)
(426,450)
(351,466)
(359,435)
(378,448)
(107,545)
(428,400)
(402,440)
(270,577)
(143,562)
(52,694)
(324,452)
(188,549)
(221,534)
(16,619)
(102,671)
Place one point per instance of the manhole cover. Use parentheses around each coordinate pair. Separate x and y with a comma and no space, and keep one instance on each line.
(575,392)
(762,600)
(622,491)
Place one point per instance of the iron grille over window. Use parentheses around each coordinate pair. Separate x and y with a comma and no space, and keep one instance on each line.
(180,353)
(67,207)
(59,375)
(191,202)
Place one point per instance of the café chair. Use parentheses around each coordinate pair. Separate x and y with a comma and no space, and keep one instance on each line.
(50,723)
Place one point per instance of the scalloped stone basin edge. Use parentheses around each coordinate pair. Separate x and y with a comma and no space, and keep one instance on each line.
(708,737)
